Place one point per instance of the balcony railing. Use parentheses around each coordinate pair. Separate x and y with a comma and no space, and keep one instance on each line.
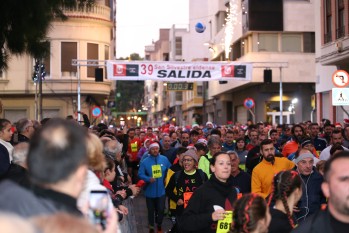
(96,11)
(327,38)
(340,32)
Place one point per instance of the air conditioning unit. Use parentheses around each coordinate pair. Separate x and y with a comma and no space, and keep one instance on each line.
(339,46)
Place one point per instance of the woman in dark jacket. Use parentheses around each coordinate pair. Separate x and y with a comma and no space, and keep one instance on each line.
(287,190)
(5,145)
(211,204)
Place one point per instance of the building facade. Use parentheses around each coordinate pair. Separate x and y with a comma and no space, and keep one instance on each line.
(271,35)
(87,34)
(276,36)
(332,53)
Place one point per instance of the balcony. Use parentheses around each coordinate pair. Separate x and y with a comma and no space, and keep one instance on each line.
(97,11)
(340,32)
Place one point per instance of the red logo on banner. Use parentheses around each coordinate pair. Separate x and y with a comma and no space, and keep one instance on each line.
(228,71)
(119,69)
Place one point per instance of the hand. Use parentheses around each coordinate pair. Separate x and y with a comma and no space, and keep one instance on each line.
(218,215)
(112,224)
(122,193)
(135,190)
(296,209)
(152,180)
(123,209)
(121,178)
(180,202)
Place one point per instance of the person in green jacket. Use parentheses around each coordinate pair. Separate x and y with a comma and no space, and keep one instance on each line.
(214,145)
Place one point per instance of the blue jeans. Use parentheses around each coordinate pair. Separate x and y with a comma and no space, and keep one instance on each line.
(156,208)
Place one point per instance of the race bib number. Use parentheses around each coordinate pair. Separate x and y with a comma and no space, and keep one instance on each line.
(134,147)
(223,226)
(186,197)
(156,170)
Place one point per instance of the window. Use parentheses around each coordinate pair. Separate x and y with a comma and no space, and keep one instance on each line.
(166,56)
(291,42)
(50,113)
(268,42)
(15,114)
(106,52)
(178,46)
(309,42)
(106,57)
(92,54)
(179,96)
(220,21)
(199,90)
(47,62)
(340,19)
(328,20)
(69,51)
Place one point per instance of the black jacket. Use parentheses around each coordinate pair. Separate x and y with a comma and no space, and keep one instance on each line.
(242,181)
(253,159)
(17,174)
(4,160)
(197,217)
(312,196)
(317,223)
(38,201)
(279,222)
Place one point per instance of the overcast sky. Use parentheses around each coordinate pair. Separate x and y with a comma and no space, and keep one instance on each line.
(138,22)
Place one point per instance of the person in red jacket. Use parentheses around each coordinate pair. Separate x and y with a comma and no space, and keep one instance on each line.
(292,146)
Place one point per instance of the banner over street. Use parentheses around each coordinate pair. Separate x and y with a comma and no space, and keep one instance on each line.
(178,71)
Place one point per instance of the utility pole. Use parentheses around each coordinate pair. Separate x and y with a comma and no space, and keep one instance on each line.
(40,117)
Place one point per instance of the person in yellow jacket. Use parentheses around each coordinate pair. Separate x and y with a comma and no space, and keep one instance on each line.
(263,173)
(173,169)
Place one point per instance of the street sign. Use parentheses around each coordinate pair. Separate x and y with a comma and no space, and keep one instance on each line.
(340,96)
(180,86)
(340,78)
(96,112)
(249,103)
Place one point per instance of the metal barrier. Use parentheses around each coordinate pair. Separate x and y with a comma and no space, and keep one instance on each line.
(128,223)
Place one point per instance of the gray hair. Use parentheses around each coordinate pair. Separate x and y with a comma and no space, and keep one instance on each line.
(214,139)
(20,152)
(112,148)
(22,124)
(233,152)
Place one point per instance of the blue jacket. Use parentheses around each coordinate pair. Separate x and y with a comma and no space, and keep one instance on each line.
(145,172)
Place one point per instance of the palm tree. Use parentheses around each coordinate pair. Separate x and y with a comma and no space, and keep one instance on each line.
(24,25)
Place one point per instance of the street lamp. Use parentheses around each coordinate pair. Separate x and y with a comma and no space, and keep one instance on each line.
(122,122)
(292,105)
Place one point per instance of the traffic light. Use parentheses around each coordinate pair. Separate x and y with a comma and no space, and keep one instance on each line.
(39,69)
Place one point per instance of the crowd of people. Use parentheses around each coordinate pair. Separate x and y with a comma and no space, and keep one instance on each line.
(206,178)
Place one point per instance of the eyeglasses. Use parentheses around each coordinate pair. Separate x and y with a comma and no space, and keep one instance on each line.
(187,160)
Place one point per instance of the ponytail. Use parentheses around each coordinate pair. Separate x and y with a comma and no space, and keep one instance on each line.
(285,182)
